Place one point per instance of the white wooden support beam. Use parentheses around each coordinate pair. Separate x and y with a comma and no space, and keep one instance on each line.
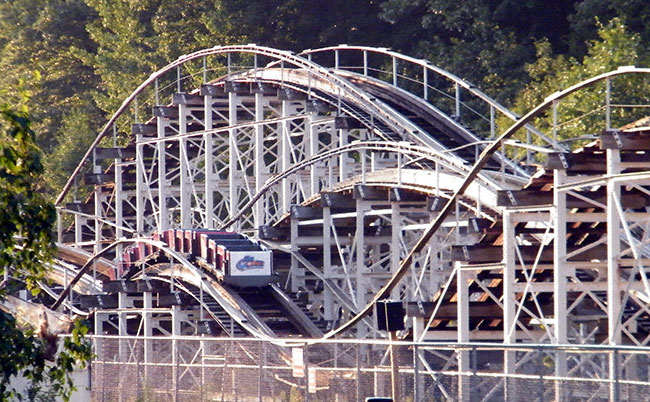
(176,331)
(98,214)
(396,234)
(209,163)
(343,158)
(559,259)
(313,150)
(98,208)
(462,305)
(296,270)
(559,278)
(185,180)
(285,156)
(436,277)
(613,250)
(328,298)
(233,179)
(123,304)
(79,222)
(614,325)
(163,190)
(361,280)
(119,205)
(139,184)
(509,260)
(259,166)
(509,300)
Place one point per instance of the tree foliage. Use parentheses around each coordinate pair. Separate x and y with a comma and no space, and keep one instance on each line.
(25,245)
(486,42)
(39,36)
(584,113)
(22,353)
(633,13)
(136,38)
(93,53)
(27,218)
(90,54)
(300,24)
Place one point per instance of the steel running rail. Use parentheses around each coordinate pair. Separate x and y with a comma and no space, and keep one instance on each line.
(428,66)
(362,99)
(409,129)
(483,159)
(236,315)
(380,146)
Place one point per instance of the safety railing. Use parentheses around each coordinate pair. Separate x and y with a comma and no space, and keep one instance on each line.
(449,93)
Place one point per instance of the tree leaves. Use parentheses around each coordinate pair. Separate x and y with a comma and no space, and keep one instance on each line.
(27,217)
(584,112)
(26,243)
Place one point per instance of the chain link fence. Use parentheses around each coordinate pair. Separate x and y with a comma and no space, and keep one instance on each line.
(210,369)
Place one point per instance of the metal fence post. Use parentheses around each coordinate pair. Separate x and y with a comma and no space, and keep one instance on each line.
(103,379)
(223,370)
(394,366)
(138,387)
(178,79)
(176,372)
(416,373)
(358,372)
(615,374)
(262,356)
(540,368)
(474,366)
(336,355)
(306,361)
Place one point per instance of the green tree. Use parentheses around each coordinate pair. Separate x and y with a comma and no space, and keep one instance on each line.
(486,42)
(633,13)
(25,245)
(300,24)
(75,137)
(39,35)
(136,38)
(584,113)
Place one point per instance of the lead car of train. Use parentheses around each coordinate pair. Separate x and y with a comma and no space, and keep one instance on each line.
(234,258)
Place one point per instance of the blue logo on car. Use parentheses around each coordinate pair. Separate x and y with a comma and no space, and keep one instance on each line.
(249,262)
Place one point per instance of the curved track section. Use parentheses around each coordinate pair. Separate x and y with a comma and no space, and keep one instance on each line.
(340,86)
(275,139)
(361,184)
(618,313)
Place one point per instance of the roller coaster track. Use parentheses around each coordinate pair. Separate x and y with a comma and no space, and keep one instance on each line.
(427,68)
(390,121)
(485,156)
(345,88)
(361,178)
